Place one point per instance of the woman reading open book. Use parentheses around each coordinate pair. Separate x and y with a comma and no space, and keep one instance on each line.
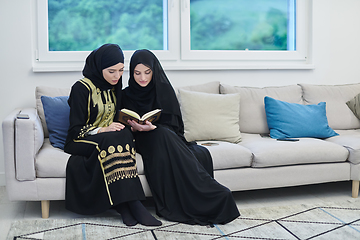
(179,173)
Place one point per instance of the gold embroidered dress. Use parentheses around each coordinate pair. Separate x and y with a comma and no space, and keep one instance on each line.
(101,172)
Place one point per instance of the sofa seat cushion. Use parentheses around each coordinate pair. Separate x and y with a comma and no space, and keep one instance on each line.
(51,162)
(139,164)
(227,155)
(270,152)
(350,139)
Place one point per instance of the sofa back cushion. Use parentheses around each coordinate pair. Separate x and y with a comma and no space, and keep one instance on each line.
(210,87)
(338,113)
(252,108)
(50,92)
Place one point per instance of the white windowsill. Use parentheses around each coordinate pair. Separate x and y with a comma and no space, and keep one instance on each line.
(175,65)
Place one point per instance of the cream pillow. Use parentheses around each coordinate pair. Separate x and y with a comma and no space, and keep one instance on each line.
(209,116)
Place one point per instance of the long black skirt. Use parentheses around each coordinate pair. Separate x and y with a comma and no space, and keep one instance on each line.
(183,191)
(101,173)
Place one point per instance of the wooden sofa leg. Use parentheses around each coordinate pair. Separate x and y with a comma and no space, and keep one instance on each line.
(355,188)
(45,208)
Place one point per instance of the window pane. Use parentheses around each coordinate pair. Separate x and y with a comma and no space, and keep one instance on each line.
(83,25)
(242,24)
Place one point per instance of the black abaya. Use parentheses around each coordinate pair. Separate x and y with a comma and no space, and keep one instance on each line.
(180,173)
(182,189)
(101,172)
(104,178)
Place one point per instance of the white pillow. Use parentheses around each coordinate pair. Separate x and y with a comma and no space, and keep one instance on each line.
(209,116)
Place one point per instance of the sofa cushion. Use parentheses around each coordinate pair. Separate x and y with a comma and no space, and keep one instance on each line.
(252,109)
(292,120)
(139,164)
(350,139)
(51,92)
(51,162)
(209,116)
(354,105)
(57,111)
(269,152)
(338,113)
(227,155)
(210,87)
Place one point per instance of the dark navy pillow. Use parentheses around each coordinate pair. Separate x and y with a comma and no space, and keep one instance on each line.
(56,111)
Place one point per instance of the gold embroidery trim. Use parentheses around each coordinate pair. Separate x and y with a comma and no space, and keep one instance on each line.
(121,173)
(118,173)
(118,162)
(101,165)
(85,82)
(105,159)
(86,141)
(106,182)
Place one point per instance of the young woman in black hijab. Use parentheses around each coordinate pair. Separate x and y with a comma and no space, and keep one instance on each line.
(183,189)
(101,172)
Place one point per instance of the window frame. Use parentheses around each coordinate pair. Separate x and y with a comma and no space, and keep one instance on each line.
(244,55)
(179,56)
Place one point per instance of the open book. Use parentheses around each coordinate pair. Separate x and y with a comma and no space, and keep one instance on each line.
(126,114)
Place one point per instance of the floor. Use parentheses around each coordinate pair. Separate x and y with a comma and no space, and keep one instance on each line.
(312,194)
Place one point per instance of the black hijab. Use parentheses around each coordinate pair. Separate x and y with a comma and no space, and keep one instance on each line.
(103,57)
(157,94)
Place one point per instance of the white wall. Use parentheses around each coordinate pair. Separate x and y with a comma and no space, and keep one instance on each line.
(336,56)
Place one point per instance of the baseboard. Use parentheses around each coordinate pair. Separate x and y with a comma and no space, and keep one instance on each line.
(2,179)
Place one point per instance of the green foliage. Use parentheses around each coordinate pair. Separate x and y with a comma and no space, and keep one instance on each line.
(84,25)
(238,24)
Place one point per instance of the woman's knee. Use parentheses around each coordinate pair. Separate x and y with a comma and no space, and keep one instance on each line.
(124,133)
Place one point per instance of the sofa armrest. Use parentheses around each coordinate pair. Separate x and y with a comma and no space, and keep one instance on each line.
(8,126)
(29,137)
(22,137)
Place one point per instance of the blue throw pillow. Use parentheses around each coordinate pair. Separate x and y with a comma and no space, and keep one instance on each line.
(57,111)
(292,120)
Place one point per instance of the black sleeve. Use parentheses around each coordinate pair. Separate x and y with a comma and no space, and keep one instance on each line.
(80,103)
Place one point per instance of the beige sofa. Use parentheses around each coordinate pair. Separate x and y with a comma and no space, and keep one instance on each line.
(35,170)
